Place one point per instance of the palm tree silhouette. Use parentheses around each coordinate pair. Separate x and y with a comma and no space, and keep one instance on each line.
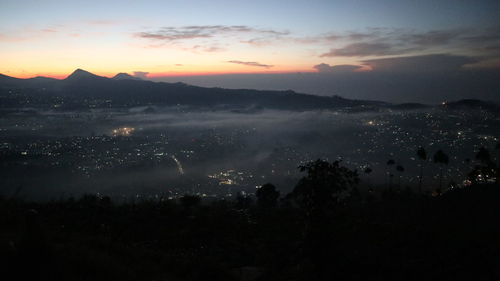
(368,171)
(422,155)
(390,163)
(441,158)
(497,147)
(400,169)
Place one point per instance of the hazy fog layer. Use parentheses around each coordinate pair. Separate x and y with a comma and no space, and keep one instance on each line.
(224,152)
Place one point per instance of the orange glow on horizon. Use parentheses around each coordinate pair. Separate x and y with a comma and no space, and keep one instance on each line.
(61,76)
(210,73)
(54,75)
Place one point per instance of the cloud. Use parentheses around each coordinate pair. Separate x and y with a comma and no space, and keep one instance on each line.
(170,33)
(353,36)
(363,50)
(258,41)
(326,68)
(141,74)
(208,49)
(386,42)
(251,63)
(421,64)
(173,35)
(487,35)
(432,38)
(492,64)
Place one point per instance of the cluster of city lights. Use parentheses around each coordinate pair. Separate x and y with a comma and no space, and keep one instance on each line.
(124,131)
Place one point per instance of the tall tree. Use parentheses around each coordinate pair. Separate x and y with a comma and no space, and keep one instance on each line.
(319,190)
(485,169)
(267,196)
(441,158)
(400,169)
(190,201)
(422,155)
(318,194)
(390,163)
(497,147)
(483,155)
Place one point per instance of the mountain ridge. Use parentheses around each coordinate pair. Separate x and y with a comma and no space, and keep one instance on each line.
(82,84)
(124,76)
(82,74)
(124,89)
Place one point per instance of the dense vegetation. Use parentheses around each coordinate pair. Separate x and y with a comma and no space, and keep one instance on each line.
(325,229)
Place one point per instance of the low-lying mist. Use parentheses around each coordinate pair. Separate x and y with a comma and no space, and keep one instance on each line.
(166,152)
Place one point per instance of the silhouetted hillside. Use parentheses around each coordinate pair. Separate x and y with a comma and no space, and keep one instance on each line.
(404,236)
(125,89)
(125,76)
(472,104)
(409,106)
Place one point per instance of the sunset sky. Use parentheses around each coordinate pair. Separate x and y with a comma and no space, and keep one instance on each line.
(182,38)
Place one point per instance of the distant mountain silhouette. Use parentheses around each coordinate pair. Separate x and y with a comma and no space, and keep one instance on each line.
(124,89)
(80,74)
(409,106)
(35,82)
(7,80)
(125,76)
(472,103)
(121,89)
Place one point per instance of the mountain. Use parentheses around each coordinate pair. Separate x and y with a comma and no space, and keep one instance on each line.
(472,104)
(409,106)
(125,76)
(5,78)
(38,82)
(82,75)
(83,87)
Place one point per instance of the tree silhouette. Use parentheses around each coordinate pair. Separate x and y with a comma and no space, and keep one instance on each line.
(441,158)
(422,155)
(267,196)
(243,201)
(483,155)
(390,163)
(190,201)
(497,147)
(400,169)
(319,190)
(368,170)
(318,194)
(485,169)
(488,166)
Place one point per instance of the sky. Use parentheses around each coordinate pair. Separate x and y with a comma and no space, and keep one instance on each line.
(210,40)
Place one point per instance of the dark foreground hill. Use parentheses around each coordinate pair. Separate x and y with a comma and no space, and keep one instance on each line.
(402,236)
